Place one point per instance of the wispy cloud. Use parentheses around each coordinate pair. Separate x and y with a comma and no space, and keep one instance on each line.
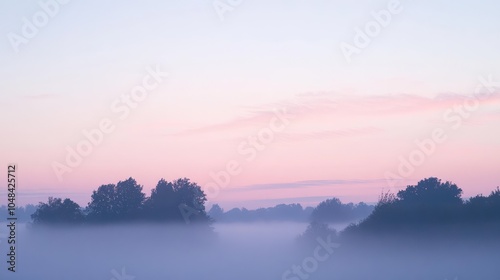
(325,107)
(258,116)
(304,184)
(327,134)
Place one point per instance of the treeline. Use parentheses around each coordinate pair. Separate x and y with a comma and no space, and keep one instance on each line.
(433,205)
(334,211)
(178,201)
(429,203)
(181,201)
(429,210)
(425,231)
(279,213)
(329,211)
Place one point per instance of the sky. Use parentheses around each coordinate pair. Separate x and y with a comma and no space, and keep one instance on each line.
(259,102)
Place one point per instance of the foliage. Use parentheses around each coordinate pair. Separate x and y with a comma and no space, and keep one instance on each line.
(177,201)
(334,211)
(216,212)
(57,211)
(281,212)
(119,202)
(430,204)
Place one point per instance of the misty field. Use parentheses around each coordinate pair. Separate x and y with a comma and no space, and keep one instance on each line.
(236,251)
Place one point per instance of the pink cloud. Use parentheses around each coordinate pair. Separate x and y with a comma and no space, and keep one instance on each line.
(322,106)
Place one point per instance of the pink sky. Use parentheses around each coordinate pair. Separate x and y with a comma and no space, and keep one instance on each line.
(326,145)
(342,125)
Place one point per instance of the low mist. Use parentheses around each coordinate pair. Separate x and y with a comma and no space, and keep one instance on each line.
(152,251)
(243,251)
(426,231)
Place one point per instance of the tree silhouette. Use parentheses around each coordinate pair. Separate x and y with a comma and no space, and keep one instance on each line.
(119,202)
(162,205)
(429,203)
(483,209)
(189,194)
(216,212)
(177,201)
(432,191)
(102,205)
(334,211)
(180,200)
(129,199)
(280,212)
(57,211)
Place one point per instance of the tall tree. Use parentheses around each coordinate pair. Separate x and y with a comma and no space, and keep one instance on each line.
(129,199)
(57,211)
(119,202)
(431,202)
(216,211)
(432,191)
(102,205)
(180,200)
(161,205)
